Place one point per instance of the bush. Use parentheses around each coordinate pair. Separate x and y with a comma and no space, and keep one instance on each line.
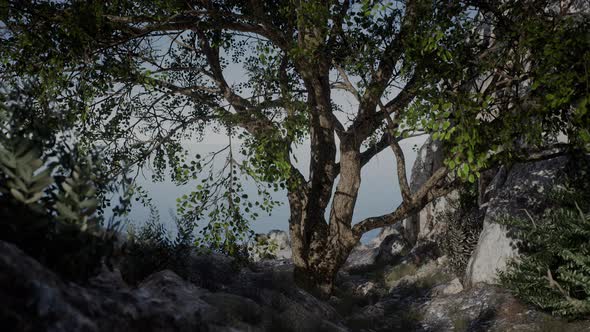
(464,222)
(152,249)
(51,214)
(553,271)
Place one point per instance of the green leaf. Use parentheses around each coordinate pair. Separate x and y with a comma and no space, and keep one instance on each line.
(451,164)
(34,198)
(18,195)
(465,169)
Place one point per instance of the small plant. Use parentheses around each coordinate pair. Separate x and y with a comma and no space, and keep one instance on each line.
(463,222)
(262,247)
(399,271)
(152,249)
(553,271)
(459,322)
(76,203)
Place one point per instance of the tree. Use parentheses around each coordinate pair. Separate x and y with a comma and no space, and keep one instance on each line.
(142,76)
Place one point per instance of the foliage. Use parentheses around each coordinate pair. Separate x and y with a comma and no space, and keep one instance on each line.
(399,271)
(55,224)
(51,192)
(553,272)
(151,249)
(95,56)
(221,199)
(463,224)
(536,77)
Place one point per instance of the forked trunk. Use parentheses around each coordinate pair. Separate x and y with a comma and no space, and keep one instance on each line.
(319,247)
(318,258)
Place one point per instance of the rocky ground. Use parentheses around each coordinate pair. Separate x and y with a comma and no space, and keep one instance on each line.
(400,281)
(408,291)
(223,297)
(419,293)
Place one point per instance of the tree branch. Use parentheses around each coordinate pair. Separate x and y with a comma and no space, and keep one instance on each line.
(428,192)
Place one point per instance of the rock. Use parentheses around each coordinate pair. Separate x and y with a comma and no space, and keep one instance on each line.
(424,224)
(367,315)
(442,260)
(365,289)
(33,298)
(452,287)
(389,246)
(525,186)
(488,308)
(424,304)
(361,258)
(167,302)
(234,307)
(284,254)
(279,238)
(473,309)
(423,252)
(296,310)
(212,271)
(385,232)
(392,248)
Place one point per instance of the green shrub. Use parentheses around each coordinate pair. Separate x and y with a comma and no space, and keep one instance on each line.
(463,224)
(51,213)
(151,249)
(553,271)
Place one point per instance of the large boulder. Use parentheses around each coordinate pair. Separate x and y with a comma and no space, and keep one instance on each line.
(361,258)
(488,308)
(515,192)
(279,238)
(209,270)
(35,299)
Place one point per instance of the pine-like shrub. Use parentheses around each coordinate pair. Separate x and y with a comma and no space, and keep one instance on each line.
(553,270)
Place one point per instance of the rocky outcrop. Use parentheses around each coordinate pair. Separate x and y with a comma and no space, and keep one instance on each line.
(514,192)
(264,299)
(451,288)
(507,191)
(361,259)
(425,224)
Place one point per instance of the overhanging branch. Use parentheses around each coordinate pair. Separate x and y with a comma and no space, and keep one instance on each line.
(431,190)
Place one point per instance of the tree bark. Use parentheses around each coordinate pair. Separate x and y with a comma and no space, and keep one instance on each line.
(317,258)
(322,247)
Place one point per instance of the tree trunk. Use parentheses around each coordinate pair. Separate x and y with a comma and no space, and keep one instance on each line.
(318,259)
(321,248)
